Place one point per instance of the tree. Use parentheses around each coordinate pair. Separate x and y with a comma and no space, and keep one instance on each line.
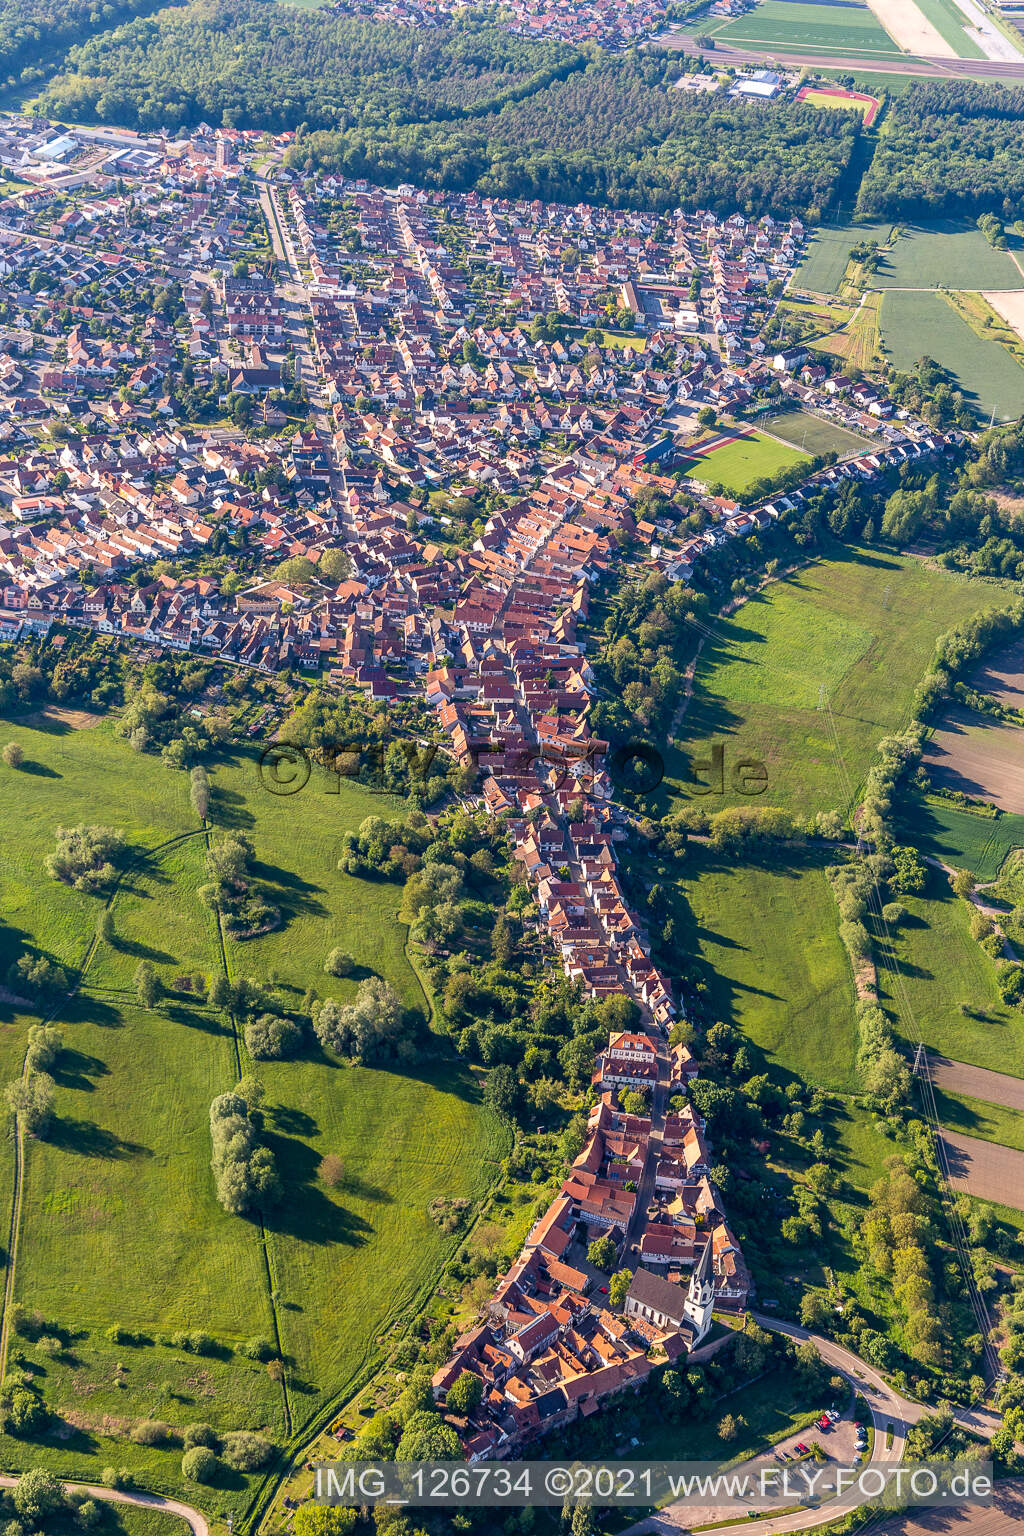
(501,1091)
(32,1099)
(338,963)
(45,1043)
(220,992)
(246,1451)
(618,1286)
(148,987)
(200,1464)
(464,1394)
(323,1520)
(603,1253)
(14,754)
(729,1428)
(335,564)
(105,925)
(270,1038)
(38,1494)
(426,1437)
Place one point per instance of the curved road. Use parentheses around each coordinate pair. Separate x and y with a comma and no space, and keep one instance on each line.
(887,1408)
(140,1500)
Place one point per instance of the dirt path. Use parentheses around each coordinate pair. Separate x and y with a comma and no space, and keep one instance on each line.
(140,1500)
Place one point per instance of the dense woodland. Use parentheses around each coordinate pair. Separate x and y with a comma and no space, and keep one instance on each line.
(32,30)
(949,148)
(257,64)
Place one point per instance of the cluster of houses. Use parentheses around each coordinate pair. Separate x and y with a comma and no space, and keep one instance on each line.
(613,24)
(482,469)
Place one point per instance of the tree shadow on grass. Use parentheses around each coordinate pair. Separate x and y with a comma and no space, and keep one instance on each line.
(69,1437)
(293,1122)
(139,951)
(39,770)
(74,1069)
(228,809)
(194,1018)
(87,1139)
(305,1212)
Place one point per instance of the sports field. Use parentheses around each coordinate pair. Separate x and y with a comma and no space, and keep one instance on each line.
(923,324)
(794,24)
(814,435)
(839,99)
(811,673)
(340,1265)
(738,464)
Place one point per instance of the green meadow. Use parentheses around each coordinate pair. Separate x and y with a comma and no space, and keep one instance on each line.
(810,674)
(122,1179)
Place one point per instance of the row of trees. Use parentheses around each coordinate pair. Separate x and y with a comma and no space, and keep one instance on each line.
(244,1171)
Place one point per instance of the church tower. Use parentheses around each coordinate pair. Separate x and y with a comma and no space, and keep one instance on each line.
(699,1305)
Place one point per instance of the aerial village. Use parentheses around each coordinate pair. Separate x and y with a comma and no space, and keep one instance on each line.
(396,387)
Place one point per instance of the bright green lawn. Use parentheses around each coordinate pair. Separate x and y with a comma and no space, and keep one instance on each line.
(772,1408)
(864,623)
(923,324)
(814,435)
(819,28)
(737,465)
(941,986)
(768,938)
(123,1184)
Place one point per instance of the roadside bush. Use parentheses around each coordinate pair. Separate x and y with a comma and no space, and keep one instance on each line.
(200,1465)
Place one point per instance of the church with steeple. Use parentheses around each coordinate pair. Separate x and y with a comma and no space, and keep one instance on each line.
(660,1304)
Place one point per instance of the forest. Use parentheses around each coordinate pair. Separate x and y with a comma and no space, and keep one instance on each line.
(462,106)
(258,64)
(32,30)
(614,132)
(951,147)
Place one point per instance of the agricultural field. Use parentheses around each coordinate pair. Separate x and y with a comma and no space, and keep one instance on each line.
(973,1117)
(923,324)
(738,464)
(799,26)
(338,1266)
(949,22)
(812,434)
(768,937)
(811,673)
(962,838)
(947,253)
(982,757)
(828,254)
(940,985)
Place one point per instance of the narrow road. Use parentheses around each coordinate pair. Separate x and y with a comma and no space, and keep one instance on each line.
(140,1500)
(887,1407)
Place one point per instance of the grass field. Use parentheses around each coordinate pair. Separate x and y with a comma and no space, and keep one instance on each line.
(834,102)
(814,435)
(978,843)
(864,623)
(123,1179)
(971,1117)
(941,985)
(738,464)
(806,26)
(923,324)
(947,253)
(828,254)
(768,937)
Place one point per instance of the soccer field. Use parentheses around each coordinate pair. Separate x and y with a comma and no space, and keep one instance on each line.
(814,435)
(738,465)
